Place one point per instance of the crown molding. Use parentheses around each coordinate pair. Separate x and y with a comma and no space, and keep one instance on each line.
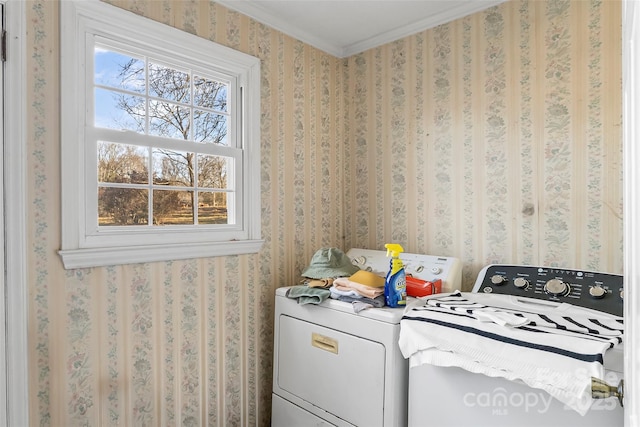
(257,11)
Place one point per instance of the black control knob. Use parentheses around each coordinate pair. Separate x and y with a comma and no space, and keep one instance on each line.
(498,280)
(521,283)
(556,288)
(597,291)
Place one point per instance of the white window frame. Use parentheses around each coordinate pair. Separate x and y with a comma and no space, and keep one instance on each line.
(84,244)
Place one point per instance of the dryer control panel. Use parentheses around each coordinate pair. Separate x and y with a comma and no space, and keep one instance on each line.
(593,290)
(424,267)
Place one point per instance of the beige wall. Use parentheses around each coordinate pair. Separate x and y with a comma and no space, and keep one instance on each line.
(493,138)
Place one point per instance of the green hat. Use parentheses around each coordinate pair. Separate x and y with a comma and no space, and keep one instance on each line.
(329,262)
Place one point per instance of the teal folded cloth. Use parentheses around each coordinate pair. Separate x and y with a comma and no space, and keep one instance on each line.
(306,295)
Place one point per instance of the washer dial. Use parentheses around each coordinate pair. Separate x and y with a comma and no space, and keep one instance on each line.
(521,283)
(557,288)
(498,280)
(597,291)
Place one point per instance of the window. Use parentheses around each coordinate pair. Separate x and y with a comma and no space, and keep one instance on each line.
(160,141)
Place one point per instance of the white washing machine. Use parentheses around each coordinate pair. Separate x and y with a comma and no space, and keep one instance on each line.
(451,396)
(333,367)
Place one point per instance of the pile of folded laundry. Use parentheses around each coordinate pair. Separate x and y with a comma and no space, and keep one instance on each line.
(331,274)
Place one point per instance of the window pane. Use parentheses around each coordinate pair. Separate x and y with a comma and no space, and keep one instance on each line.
(172,207)
(210,127)
(121,163)
(213,171)
(122,206)
(118,70)
(170,84)
(115,110)
(168,120)
(210,94)
(173,168)
(212,208)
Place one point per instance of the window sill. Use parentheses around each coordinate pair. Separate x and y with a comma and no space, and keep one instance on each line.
(100,257)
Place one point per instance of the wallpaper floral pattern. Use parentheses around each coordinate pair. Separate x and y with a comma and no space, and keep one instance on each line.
(494,138)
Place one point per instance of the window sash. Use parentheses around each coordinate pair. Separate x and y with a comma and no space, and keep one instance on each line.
(84,244)
(235,193)
(208,71)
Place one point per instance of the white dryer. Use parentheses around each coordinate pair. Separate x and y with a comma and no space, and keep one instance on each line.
(333,367)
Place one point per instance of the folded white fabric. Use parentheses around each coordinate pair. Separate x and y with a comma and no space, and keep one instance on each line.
(336,293)
(557,349)
(344,284)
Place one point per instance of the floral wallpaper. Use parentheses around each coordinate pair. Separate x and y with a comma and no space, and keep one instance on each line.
(494,138)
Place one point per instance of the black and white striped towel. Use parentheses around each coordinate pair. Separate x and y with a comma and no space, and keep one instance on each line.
(554,348)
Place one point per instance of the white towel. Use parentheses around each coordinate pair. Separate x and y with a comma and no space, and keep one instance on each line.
(556,350)
(336,294)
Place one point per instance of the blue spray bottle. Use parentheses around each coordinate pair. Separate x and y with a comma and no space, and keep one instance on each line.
(395,284)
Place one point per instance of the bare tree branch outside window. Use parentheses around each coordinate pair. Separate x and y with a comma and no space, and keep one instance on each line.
(186,187)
